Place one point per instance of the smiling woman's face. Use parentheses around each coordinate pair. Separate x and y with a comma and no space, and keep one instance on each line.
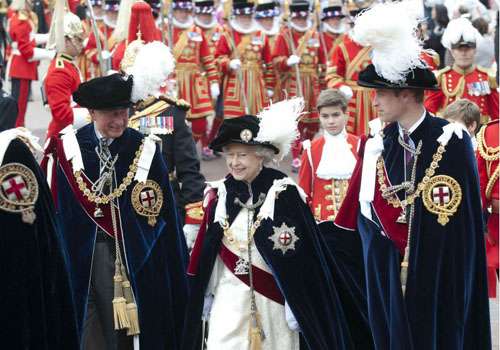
(242,161)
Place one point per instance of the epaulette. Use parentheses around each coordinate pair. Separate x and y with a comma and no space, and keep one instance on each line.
(492,80)
(440,72)
(61,58)
(180,103)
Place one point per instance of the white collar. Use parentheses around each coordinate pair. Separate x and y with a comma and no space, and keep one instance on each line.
(302,29)
(210,25)
(108,22)
(235,25)
(340,136)
(415,125)
(99,136)
(274,30)
(339,30)
(183,25)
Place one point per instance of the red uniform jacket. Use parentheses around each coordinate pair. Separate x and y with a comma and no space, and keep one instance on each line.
(474,84)
(257,73)
(324,196)
(307,47)
(21,25)
(63,78)
(487,163)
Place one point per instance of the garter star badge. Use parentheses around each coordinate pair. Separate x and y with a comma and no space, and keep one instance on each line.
(147,200)
(442,196)
(284,238)
(18,191)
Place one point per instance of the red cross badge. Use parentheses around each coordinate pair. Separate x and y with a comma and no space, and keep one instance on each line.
(18,191)
(441,196)
(147,200)
(284,238)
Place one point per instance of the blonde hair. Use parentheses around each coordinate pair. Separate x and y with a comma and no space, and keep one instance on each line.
(464,111)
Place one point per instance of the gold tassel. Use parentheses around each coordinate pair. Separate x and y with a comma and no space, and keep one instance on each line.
(132,312)
(119,302)
(256,333)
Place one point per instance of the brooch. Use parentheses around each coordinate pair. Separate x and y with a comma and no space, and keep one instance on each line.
(18,191)
(284,238)
(442,196)
(147,200)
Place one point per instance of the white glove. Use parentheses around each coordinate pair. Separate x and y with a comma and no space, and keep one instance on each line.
(207,306)
(292,60)
(347,91)
(105,54)
(214,90)
(235,64)
(290,319)
(41,39)
(190,232)
(270,93)
(42,54)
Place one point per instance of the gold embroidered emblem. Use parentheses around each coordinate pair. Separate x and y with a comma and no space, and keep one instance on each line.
(147,200)
(18,191)
(442,196)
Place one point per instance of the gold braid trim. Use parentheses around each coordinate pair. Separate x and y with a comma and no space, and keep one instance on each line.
(410,199)
(117,192)
(491,182)
(489,154)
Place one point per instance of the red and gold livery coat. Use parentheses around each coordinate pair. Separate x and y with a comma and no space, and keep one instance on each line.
(89,60)
(278,86)
(194,69)
(22,27)
(307,47)
(63,78)
(257,74)
(487,162)
(329,42)
(474,84)
(325,197)
(347,61)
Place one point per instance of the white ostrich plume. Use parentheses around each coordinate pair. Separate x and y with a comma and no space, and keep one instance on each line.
(152,66)
(460,28)
(390,29)
(278,124)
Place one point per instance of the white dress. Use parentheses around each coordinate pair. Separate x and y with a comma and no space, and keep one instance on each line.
(230,314)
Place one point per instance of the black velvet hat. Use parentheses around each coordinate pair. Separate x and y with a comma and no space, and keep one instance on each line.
(417,78)
(241,130)
(109,92)
(299,6)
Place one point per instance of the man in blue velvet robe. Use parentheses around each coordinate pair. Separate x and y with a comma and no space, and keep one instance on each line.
(418,211)
(121,233)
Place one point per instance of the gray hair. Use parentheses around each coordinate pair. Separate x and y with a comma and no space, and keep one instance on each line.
(266,153)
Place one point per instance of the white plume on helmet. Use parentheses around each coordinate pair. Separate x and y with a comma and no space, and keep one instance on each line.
(390,30)
(278,124)
(457,29)
(152,66)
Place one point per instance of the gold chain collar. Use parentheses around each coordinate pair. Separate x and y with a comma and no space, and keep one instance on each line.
(118,191)
(410,199)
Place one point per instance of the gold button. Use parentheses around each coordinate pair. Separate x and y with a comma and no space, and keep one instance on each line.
(327,187)
(329,197)
(331,217)
(329,207)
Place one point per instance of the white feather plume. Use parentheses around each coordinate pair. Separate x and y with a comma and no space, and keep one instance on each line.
(390,30)
(152,66)
(278,124)
(123,20)
(459,28)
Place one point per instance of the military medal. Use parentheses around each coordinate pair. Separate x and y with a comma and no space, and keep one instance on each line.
(18,191)
(284,238)
(442,196)
(242,266)
(147,200)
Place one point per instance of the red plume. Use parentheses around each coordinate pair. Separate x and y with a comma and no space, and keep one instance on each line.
(142,20)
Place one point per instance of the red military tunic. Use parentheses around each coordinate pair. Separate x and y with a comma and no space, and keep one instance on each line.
(347,61)
(89,64)
(22,26)
(257,75)
(194,70)
(325,196)
(474,84)
(432,59)
(487,162)
(63,78)
(307,47)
